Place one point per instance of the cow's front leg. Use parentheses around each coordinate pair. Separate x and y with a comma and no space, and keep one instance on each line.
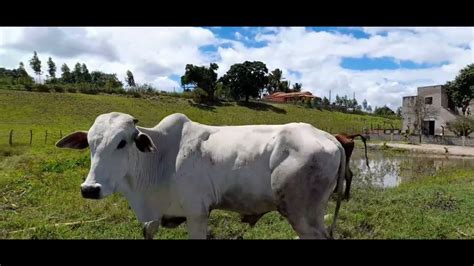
(197,227)
(150,229)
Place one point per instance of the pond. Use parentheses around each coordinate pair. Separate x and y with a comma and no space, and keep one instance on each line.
(389,169)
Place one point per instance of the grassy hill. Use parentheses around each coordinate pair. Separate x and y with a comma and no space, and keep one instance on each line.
(22,111)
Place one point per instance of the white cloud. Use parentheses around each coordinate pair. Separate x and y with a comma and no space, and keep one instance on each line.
(148,52)
(166,84)
(317,56)
(154,54)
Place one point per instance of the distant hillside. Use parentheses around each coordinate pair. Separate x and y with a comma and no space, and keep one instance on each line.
(22,111)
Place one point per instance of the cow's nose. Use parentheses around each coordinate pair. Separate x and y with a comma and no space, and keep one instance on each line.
(90,192)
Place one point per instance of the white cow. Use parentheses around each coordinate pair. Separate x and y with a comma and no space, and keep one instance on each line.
(180,170)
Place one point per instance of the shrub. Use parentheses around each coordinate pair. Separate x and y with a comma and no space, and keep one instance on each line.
(135,92)
(41,88)
(87,89)
(462,126)
(187,94)
(28,87)
(199,95)
(71,90)
(58,88)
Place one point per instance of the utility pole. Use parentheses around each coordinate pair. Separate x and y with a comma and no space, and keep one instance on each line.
(329,96)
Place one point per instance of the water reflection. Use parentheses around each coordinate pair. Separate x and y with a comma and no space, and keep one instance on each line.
(389,170)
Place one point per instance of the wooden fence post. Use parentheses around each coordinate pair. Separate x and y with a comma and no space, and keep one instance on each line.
(10,138)
(31,136)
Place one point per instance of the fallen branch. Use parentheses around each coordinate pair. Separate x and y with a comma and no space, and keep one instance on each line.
(61,224)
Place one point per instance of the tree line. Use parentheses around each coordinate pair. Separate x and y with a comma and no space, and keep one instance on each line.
(77,79)
(241,81)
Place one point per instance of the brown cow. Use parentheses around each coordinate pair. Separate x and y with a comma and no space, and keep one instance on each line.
(347,142)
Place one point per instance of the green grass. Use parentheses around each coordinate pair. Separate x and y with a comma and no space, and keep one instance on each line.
(433,207)
(22,111)
(40,188)
(39,184)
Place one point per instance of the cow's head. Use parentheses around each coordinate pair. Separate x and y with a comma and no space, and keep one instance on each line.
(111,139)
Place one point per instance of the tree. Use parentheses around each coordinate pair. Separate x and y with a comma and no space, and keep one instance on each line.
(246,79)
(352,103)
(317,101)
(66,75)
(35,64)
(23,77)
(364,104)
(77,73)
(369,108)
(338,101)
(284,86)
(102,79)
(222,92)
(383,111)
(130,80)
(462,126)
(399,111)
(22,71)
(326,101)
(461,89)
(51,69)
(86,76)
(297,87)
(274,80)
(201,77)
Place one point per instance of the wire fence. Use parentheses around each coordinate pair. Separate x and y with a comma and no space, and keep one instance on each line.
(30,137)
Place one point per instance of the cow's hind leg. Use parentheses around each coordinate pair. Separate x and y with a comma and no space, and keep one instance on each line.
(150,229)
(197,227)
(305,224)
(303,204)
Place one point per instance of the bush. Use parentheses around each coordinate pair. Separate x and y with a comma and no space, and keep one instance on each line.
(462,126)
(41,88)
(88,89)
(199,95)
(71,90)
(187,94)
(135,92)
(28,87)
(58,88)
(120,91)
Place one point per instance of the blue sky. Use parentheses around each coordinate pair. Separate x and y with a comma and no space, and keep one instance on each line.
(380,64)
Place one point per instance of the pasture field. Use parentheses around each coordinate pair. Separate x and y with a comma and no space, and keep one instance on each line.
(39,184)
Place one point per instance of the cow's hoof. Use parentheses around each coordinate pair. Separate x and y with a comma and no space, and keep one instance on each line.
(146,235)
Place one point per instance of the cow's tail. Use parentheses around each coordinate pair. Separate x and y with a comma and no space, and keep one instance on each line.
(365,146)
(340,180)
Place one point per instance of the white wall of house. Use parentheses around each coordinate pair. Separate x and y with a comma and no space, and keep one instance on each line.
(436,100)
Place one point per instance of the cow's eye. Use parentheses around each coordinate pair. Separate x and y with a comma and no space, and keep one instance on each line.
(121,144)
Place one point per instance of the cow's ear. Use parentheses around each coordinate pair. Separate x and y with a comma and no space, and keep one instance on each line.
(144,143)
(76,140)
